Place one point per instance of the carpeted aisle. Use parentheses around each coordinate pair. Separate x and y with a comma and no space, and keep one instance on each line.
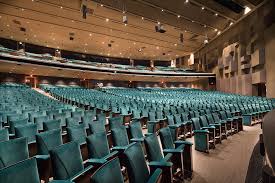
(228,162)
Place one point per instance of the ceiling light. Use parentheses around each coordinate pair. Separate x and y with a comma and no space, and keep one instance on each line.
(216,14)
(20,42)
(73,21)
(61,7)
(8,25)
(204,26)
(193,21)
(247,10)
(107,19)
(157,47)
(206,41)
(186,1)
(120,53)
(0,16)
(90,34)
(142,18)
(162,10)
(219,33)
(101,5)
(175,44)
(202,8)
(159,23)
(178,16)
(22,9)
(125,24)
(86,44)
(216,30)
(103,43)
(231,23)
(108,54)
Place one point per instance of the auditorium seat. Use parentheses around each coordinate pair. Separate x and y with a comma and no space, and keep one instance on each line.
(182,151)
(4,134)
(25,171)
(98,149)
(52,125)
(201,136)
(108,172)
(29,131)
(68,165)
(136,166)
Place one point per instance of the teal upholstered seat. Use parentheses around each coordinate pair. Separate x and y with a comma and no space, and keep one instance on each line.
(78,134)
(61,117)
(98,149)
(115,122)
(97,127)
(201,136)
(23,171)
(136,166)
(119,136)
(13,151)
(72,122)
(47,141)
(52,125)
(67,162)
(29,131)
(39,120)
(4,134)
(181,150)
(136,130)
(86,120)
(13,124)
(109,172)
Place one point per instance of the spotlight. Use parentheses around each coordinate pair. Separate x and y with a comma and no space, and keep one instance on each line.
(125,19)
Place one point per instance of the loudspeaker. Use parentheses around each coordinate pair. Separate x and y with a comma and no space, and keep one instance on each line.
(212,81)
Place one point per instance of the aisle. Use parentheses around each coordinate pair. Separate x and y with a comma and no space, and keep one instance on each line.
(228,162)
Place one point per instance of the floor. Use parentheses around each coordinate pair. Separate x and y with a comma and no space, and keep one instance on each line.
(228,162)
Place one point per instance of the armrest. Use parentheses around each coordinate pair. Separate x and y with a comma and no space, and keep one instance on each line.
(174,126)
(96,161)
(152,121)
(208,127)
(201,131)
(137,140)
(119,148)
(173,151)
(180,142)
(188,122)
(42,157)
(112,154)
(147,134)
(155,177)
(88,168)
(160,164)
(215,124)
(61,181)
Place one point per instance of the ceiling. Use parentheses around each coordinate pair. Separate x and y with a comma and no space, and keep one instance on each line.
(51,23)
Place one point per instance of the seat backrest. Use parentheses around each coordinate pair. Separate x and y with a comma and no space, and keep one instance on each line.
(23,171)
(29,131)
(66,161)
(210,119)
(136,129)
(72,122)
(109,172)
(152,116)
(203,121)
(39,120)
(119,136)
(135,164)
(170,119)
(101,118)
(13,124)
(48,140)
(178,119)
(166,138)
(216,117)
(4,135)
(86,119)
(13,151)
(52,125)
(196,123)
(61,117)
(228,114)
(115,122)
(223,115)
(98,146)
(97,127)
(184,117)
(153,148)
(77,133)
